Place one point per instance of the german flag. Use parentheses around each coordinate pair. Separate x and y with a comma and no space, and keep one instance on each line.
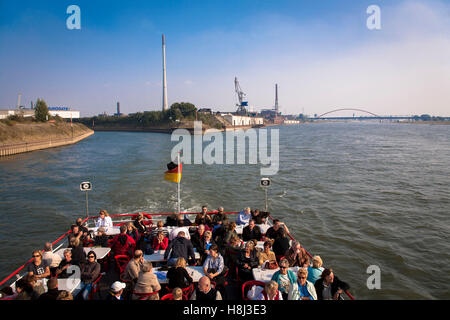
(174,172)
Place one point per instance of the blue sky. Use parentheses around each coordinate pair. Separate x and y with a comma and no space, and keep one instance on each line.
(320,53)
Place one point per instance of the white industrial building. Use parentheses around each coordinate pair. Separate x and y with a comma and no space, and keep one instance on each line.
(64,113)
(243,120)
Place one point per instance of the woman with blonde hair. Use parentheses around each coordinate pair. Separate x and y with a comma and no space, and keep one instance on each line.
(316,270)
(303,289)
(147,282)
(270,292)
(178,275)
(246,261)
(132,232)
(104,220)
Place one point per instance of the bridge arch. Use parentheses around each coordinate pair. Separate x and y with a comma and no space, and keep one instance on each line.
(347,109)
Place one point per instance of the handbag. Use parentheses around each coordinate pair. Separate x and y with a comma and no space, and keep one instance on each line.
(271,265)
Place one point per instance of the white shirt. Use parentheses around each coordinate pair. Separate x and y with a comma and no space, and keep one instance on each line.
(174,233)
(261,296)
(106,223)
(52,259)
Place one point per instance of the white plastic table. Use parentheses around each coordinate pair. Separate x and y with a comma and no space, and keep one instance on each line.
(109,231)
(158,256)
(195,272)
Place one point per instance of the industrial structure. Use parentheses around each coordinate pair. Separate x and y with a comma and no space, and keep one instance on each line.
(118,113)
(273,115)
(242,105)
(164,94)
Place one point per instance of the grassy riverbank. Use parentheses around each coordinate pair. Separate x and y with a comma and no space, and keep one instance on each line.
(12,132)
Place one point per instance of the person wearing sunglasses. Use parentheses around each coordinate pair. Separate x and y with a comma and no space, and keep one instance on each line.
(303,290)
(38,266)
(285,278)
(90,270)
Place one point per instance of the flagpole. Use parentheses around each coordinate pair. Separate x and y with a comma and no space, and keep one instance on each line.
(178,183)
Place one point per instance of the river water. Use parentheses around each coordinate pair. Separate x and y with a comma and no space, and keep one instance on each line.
(357,194)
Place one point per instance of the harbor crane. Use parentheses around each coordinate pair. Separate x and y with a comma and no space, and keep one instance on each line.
(241,110)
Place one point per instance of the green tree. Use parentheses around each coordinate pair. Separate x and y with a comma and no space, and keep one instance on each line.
(41,111)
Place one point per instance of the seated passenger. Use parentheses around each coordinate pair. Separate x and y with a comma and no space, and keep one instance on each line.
(220,216)
(285,278)
(177,294)
(214,267)
(230,233)
(204,218)
(38,267)
(78,254)
(205,292)
(104,220)
(116,291)
(197,237)
(122,244)
(52,259)
(267,255)
(303,289)
(251,232)
(205,244)
(246,261)
(24,289)
(329,287)
(132,232)
(316,270)
(297,256)
(244,217)
(147,282)
(52,292)
(134,266)
(160,242)
(270,292)
(82,228)
(61,271)
(139,224)
(171,220)
(90,271)
(259,217)
(178,275)
(101,239)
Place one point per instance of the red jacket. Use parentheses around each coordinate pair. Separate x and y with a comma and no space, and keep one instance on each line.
(121,247)
(160,246)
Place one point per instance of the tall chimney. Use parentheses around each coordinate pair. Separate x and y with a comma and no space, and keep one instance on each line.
(164,98)
(19,97)
(276,98)
(118,108)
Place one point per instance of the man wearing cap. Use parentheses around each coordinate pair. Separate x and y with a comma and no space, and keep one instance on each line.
(116,291)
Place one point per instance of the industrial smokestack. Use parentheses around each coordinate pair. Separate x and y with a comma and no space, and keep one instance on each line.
(19,97)
(164,99)
(276,98)
(118,108)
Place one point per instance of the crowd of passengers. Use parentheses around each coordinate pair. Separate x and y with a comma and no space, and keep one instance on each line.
(223,256)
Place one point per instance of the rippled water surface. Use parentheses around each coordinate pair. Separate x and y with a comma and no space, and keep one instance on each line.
(357,194)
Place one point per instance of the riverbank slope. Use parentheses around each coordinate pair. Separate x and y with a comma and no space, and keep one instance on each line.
(18,137)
